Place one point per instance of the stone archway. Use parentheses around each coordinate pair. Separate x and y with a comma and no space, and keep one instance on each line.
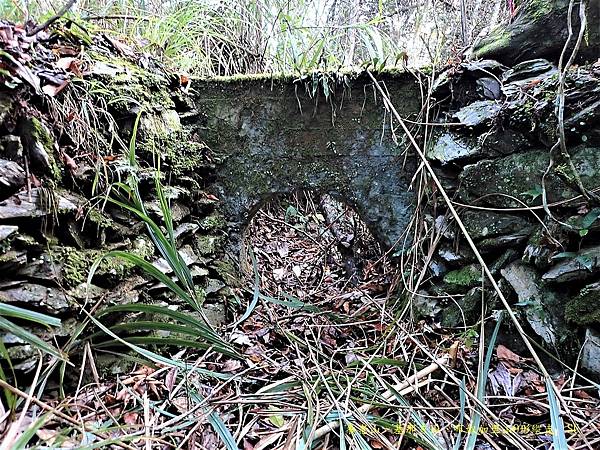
(270,137)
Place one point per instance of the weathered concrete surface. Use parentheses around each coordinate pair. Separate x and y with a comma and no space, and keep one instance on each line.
(270,137)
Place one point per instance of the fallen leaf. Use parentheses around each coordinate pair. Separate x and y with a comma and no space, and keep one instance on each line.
(131,418)
(277,420)
(211,197)
(267,441)
(170,379)
(240,339)
(65,63)
(52,90)
(297,271)
(581,394)
(231,365)
(510,358)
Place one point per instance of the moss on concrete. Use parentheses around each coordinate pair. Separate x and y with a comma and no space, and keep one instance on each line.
(213,222)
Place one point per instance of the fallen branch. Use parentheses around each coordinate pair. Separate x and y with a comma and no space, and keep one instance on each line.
(404,388)
(67,6)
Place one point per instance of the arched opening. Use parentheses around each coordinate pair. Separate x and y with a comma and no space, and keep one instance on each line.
(316,249)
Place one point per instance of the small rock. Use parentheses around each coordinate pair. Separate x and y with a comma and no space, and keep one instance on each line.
(579,266)
(425,305)
(487,224)
(41,268)
(450,147)
(443,227)
(48,298)
(502,141)
(7,230)
(484,66)
(507,257)
(178,210)
(160,124)
(458,257)
(39,144)
(437,268)
(214,285)
(525,73)
(540,305)
(12,178)
(508,240)
(185,229)
(590,356)
(477,113)
(22,206)
(12,260)
(464,311)
(543,244)
(215,313)
(520,176)
(11,147)
(186,253)
(489,88)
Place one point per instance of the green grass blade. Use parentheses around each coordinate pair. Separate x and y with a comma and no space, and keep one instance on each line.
(156,309)
(217,423)
(559,438)
(481,383)
(256,294)
(154,357)
(30,338)
(29,433)
(148,268)
(32,316)
(463,400)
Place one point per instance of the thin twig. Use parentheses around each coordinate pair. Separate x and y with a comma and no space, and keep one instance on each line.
(406,387)
(468,238)
(52,19)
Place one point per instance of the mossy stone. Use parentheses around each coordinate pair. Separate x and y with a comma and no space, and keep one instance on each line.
(584,309)
(467,277)
(463,312)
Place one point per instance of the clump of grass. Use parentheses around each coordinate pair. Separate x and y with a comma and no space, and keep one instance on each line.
(127,196)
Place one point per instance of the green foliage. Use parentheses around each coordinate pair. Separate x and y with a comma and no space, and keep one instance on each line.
(484,368)
(558,427)
(31,316)
(127,195)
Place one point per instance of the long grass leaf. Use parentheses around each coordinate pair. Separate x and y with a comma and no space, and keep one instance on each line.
(463,400)
(30,338)
(29,433)
(217,423)
(559,438)
(154,356)
(25,314)
(256,294)
(481,383)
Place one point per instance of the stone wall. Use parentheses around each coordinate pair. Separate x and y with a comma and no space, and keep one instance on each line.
(226,145)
